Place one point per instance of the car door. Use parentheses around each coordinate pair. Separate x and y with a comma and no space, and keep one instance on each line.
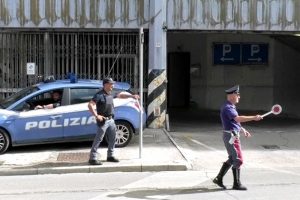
(38,126)
(81,123)
(41,125)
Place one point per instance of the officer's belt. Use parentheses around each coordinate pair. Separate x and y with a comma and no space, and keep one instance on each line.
(109,117)
(225,131)
(234,133)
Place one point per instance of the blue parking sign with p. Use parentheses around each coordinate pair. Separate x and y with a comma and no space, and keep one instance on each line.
(226,54)
(255,54)
(240,53)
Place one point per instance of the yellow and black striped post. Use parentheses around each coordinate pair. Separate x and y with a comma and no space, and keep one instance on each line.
(157,74)
(157,102)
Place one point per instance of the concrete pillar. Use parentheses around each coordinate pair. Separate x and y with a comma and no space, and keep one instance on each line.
(47,62)
(157,76)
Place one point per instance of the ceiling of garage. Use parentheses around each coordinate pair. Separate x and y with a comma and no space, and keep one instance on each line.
(292,41)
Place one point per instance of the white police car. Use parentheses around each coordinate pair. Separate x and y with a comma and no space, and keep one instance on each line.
(21,124)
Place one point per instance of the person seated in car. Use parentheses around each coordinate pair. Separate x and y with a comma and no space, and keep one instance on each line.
(56,97)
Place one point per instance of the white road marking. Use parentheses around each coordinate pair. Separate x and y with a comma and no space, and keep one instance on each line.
(247,164)
(165,180)
(206,146)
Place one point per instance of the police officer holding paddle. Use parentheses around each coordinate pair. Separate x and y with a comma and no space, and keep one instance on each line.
(231,122)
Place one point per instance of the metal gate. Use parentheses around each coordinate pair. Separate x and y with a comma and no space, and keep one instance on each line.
(90,55)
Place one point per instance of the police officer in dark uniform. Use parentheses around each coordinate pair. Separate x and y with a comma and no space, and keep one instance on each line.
(231,122)
(104,114)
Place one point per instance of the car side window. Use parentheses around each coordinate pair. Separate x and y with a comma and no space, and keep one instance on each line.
(41,99)
(82,95)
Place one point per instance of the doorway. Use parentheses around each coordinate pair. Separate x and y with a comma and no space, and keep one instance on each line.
(178,73)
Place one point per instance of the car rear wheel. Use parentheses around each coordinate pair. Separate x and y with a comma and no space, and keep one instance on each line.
(124,133)
(4,141)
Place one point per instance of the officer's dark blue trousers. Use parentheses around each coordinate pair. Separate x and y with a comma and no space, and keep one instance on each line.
(235,156)
(109,127)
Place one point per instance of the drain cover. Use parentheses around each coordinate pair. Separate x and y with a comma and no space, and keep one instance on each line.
(270,146)
(73,157)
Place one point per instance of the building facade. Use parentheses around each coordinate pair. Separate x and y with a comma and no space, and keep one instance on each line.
(186,44)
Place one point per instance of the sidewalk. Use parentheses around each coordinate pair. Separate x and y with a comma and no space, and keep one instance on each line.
(159,153)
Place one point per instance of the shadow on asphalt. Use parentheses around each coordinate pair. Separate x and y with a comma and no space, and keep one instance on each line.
(150,194)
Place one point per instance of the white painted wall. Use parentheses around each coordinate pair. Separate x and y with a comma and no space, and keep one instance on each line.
(261,85)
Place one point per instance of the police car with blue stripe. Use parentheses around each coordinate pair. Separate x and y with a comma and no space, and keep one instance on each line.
(22,124)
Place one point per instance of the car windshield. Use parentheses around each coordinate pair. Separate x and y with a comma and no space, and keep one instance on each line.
(17,96)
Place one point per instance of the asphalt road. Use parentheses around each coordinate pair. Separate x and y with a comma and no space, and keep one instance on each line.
(271,170)
(262,184)
(274,144)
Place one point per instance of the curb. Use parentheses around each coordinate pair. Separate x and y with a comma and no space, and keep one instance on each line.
(151,164)
(94,169)
(190,166)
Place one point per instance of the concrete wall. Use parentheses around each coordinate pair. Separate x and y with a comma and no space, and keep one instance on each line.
(92,14)
(287,78)
(270,15)
(261,85)
(276,15)
(256,81)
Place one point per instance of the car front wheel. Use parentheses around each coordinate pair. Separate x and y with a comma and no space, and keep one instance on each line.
(124,133)
(4,141)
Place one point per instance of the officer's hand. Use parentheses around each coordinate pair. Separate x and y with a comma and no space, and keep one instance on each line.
(135,96)
(258,117)
(38,107)
(247,134)
(100,118)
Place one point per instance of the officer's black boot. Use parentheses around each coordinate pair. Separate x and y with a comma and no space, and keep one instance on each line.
(219,179)
(237,185)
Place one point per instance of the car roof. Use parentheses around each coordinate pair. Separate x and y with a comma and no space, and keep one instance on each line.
(80,82)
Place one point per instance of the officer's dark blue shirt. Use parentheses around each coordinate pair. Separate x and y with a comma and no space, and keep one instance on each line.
(104,103)
(228,113)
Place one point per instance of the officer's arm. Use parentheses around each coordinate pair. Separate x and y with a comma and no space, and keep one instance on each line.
(242,119)
(125,95)
(91,106)
(49,106)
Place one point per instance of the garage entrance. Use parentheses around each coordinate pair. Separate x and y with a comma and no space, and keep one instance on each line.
(269,75)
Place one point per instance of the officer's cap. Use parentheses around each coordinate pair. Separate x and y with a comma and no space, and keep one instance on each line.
(108,80)
(233,90)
